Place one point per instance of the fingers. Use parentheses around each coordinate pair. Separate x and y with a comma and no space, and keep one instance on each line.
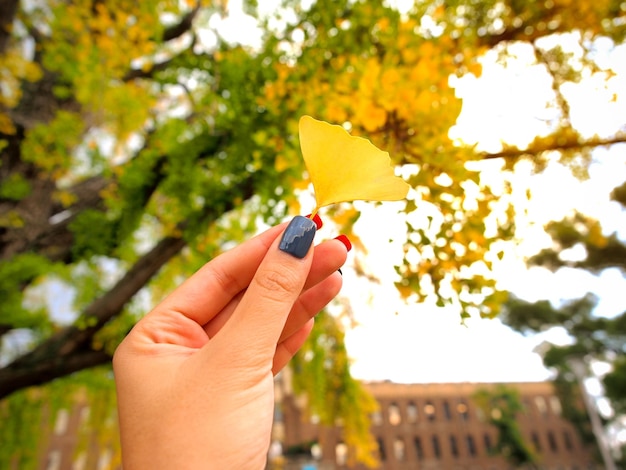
(310,303)
(289,347)
(258,320)
(328,257)
(210,289)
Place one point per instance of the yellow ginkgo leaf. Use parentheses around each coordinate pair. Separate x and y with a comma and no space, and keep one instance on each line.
(346,168)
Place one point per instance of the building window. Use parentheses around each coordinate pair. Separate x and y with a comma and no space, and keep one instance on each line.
(417,443)
(540,403)
(62,421)
(316,451)
(104,460)
(381,449)
(80,462)
(568,441)
(377,418)
(552,442)
(411,412)
(463,411)
(555,405)
(487,442)
(274,452)
(454,448)
(436,447)
(429,411)
(398,449)
(84,414)
(54,460)
(536,442)
(394,414)
(278,415)
(341,453)
(471,446)
(446,411)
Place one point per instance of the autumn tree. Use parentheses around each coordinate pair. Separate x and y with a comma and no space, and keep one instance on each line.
(137,142)
(594,338)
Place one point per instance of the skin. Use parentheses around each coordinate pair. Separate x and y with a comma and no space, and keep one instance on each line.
(195,376)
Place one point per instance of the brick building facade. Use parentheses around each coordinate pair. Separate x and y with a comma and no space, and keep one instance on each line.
(74,443)
(438,426)
(418,426)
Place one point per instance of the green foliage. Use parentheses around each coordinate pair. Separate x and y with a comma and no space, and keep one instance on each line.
(567,389)
(15,187)
(94,234)
(502,404)
(619,194)
(602,251)
(615,385)
(43,147)
(15,274)
(593,339)
(21,430)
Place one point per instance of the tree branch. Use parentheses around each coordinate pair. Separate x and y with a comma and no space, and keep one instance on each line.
(512,153)
(48,360)
(183,26)
(8,10)
(133,74)
(543,58)
(45,371)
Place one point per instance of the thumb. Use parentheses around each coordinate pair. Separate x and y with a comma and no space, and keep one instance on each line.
(256,324)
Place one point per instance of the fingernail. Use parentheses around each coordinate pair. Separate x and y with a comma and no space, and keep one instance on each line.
(346,242)
(317,220)
(298,236)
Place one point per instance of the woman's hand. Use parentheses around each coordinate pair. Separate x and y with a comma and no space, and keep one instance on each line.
(195,376)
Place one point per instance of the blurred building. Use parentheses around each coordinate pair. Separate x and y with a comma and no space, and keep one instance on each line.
(436,426)
(76,439)
(418,426)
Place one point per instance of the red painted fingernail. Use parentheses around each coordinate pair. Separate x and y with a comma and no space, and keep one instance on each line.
(317,220)
(346,242)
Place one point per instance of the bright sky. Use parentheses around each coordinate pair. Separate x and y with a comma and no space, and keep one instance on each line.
(420,343)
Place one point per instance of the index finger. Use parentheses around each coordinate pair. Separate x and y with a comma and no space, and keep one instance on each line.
(213,286)
(256,324)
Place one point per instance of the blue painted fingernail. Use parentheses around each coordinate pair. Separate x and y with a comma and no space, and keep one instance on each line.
(298,236)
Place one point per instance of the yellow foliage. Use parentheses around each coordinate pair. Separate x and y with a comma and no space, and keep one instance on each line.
(13,69)
(595,236)
(6,124)
(281,163)
(475,68)
(370,116)
(66,198)
(391,78)
(369,81)
(11,219)
(336,112)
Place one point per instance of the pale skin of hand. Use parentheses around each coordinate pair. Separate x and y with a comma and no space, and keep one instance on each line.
(194,377)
